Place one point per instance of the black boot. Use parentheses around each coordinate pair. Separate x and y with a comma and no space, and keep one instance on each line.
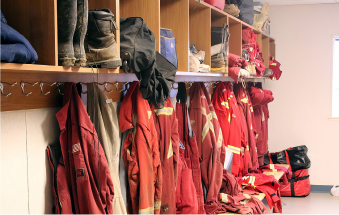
(100,45)
(67,18)
(80,33)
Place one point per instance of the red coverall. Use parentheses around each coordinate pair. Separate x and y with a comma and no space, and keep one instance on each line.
(188,138)
(245,104)
(166,125)
(141,153)
(86,167)
(211,167)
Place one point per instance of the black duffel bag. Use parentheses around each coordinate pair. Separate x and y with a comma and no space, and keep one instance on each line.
(138,54)
(296,157)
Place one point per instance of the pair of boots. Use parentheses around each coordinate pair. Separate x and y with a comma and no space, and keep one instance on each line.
(86,37)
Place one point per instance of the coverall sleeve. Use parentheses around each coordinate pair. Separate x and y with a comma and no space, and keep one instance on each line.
(175,145)
(234,145)
(157,172)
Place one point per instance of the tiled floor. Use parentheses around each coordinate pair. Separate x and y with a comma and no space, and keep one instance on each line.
(315,203)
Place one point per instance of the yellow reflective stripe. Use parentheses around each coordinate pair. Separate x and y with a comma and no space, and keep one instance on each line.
(208,124)
(273,64)
(244,100)
(213,115)
(149,210)
(229,118)
(263,117)
(149,114)
(248,148)
(164,111)
(247,196)
(251,181)
(251,109)
(256,136)
(224,197)
(251,127)
(272,168)
(157,205)
(234,149)
(225,104)
(128,151)
(170,150)
(220,138)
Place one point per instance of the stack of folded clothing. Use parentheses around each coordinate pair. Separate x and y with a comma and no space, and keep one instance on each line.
(236,67)
(15,48)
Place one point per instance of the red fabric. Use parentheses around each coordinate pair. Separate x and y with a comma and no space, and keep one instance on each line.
(191,152)
(245,104)
(300,184)
(274,168)
(141,153)
(186,198)
(217,3)
(230,184)
(260,67)
(257,206)
(211,167)
(227,110)
(168,139)
(275,67)
(261,96)
(233,72)
(62,196)
(265,184)
(86,167)
(248,36)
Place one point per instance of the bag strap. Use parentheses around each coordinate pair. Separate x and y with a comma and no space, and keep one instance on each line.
(265,9)
(269,156)
(288,160)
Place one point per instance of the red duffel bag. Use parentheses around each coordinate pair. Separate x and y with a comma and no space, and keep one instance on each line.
(299,185)
(217,3)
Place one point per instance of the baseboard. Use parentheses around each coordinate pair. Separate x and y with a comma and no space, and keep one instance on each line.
(321,188)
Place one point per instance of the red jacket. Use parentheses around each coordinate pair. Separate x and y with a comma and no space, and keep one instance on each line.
(86,167)
(245,104)
(141,153)
(168,140)
(211,167)
(188,138)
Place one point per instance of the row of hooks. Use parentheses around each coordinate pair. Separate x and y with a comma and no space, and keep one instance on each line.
(212,84)
(42,84)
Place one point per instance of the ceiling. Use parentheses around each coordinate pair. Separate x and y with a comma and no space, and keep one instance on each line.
(294,2)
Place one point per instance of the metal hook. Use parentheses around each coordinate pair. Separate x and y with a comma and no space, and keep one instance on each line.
(173,86)
(2,88)
(189,86)
(196,5)
(42,87)
(22,84)
(58,86)
(115,84)
(122,87)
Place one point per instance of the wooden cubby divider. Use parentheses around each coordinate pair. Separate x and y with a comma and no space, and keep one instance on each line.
(174,15)
(36,20)
(235,42)
(265,50)
(272,47)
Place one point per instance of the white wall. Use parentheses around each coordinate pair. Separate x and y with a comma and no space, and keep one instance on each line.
(39,128)
(302,107)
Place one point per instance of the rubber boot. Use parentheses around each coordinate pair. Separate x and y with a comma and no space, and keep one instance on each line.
(100,45)
(80,33)
(67,19)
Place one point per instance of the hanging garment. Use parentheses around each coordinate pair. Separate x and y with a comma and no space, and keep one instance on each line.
(188,139)
(228,113)
(186,198)
(61,193)
(166,126)
(245,105)
(265,184)
(141,153)
(103,114)
(211,168)
(87,173)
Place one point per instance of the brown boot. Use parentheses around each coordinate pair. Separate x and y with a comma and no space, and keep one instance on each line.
(232,10)
(100,45)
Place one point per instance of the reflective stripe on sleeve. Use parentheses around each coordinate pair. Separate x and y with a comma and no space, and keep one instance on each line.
(164,111)
(225,104)
(234,149)
(224,197)
(149,210)
(157,205)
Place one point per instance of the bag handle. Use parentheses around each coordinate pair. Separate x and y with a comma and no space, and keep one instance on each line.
(265,9)
(288,159)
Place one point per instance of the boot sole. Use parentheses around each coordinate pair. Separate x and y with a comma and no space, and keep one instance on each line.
(111,63)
